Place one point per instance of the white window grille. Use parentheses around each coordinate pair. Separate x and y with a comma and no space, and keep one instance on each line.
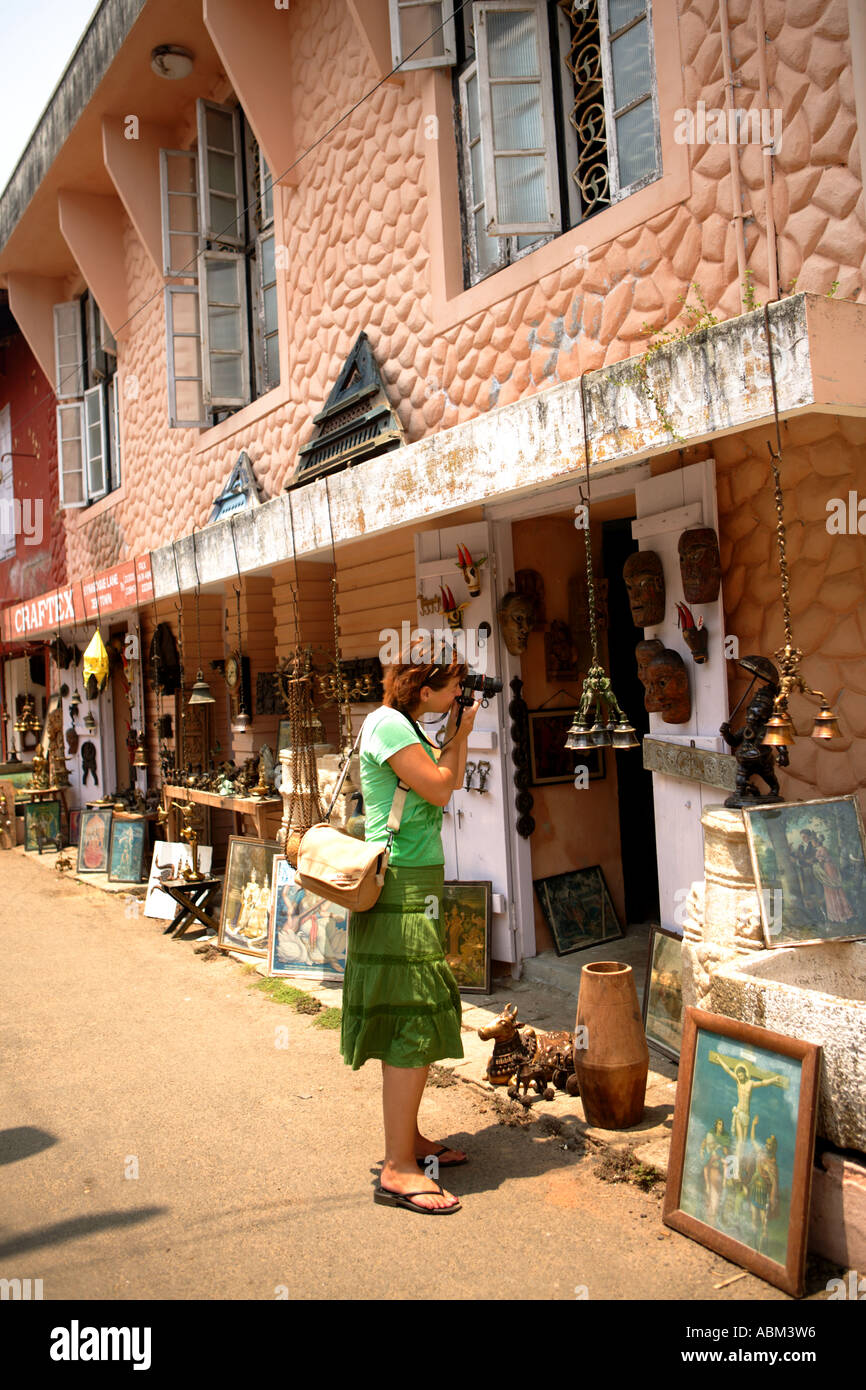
(68,350)
(220,175)
(225,351)
(183,330)
(178,175)
(71,454)
(96,443)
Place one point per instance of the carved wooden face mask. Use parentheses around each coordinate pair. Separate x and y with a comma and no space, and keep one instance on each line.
(645,581)
(515,621)
(645,652)
(668,687)
(700,565)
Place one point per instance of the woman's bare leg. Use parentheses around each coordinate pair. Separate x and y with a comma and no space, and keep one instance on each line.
(402,1088)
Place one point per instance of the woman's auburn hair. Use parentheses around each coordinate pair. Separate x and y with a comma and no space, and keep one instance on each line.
(402,682)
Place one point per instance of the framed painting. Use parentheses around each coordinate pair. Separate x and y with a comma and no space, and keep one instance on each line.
(809,861)
(549,759)
(74,826)
(127,849)
(284,737)
(466,920)
(740,1169)
(94,838)
(578,909)
(663,993)
(41,822)
(308,936)
(167,862)
(246,901)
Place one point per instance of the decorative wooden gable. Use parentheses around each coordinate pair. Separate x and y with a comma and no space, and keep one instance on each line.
(240,492)
(356,422)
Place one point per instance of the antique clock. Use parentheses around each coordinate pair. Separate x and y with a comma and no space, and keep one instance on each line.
(236,673)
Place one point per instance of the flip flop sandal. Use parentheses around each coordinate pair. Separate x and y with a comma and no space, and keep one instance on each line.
(449,1163)
(387,1198)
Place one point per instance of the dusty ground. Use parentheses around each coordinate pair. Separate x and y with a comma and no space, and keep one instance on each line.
(128,1053)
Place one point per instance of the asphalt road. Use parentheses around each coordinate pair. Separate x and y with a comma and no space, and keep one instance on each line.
(126,1053)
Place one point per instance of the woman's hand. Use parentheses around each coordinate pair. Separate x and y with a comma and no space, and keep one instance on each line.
(466,723)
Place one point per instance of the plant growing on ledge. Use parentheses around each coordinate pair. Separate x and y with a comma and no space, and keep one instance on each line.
(697,319)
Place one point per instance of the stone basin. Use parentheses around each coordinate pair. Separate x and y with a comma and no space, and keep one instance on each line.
(817,994)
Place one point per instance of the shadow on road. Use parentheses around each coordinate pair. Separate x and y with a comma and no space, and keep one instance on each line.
(74,1228)
(23,1142)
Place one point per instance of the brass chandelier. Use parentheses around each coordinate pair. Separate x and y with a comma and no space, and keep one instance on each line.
(609,727)
(780,731)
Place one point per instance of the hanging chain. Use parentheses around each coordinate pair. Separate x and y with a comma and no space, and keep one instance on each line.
(344,713)
(590,578)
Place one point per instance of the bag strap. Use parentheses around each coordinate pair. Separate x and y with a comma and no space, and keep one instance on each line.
(343,774)
(397,804)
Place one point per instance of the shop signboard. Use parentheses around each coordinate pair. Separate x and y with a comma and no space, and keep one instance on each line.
(124,586)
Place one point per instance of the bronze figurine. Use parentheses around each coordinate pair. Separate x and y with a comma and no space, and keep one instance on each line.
(645,581)
(522,1057)
(755,758)
(700,565)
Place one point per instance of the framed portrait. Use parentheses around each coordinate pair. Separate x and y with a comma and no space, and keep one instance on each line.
(549,759)
(466,919)
(578,909)
(740,1169)
(246,901)
(809,861)
(284,737)
(74,826)
(127,849)
(41,820)
(94,839)
(663,993)
(167,861)
(308,936)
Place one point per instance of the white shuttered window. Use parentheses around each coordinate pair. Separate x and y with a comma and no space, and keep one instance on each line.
(518,132)
(178,175)
(220,175)
(225,351)
(68,350)
(183,350)
(71,454)
(96,442)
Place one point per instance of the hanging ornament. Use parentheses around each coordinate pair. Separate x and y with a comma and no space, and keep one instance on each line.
(95,664)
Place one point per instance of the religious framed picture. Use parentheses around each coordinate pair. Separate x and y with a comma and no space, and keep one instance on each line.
(93,840)
(41,822)
(284,737)
(74,826)
(578,909)
(246,901)
(809,861)
(549,759)
(466,918)
(127,849)
(740,1169)
(663,993)
(308,936)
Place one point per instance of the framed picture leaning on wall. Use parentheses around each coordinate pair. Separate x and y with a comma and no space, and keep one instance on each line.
(740,1168)
(41,821)
(466,917)
(308,936)
(127,849)
(578,909)
(246,900)
(93,840)
(663,992)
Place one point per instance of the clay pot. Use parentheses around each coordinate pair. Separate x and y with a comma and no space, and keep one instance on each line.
(612,1068)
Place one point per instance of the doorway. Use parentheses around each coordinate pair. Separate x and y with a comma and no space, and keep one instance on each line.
(634,782)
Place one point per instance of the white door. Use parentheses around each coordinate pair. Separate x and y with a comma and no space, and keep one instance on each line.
(475,830)
(667,506)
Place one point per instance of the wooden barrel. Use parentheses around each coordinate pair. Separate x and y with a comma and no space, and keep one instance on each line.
(612,1064)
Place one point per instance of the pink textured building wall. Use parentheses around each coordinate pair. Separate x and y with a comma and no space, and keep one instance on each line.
(359,246)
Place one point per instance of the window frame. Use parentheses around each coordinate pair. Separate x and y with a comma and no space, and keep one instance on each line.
(612,113)
(446,59)
(240,261)
(498,225)
(62,407)
(62,390)
(171,333)
(220,235)
(96,393)
(190,270)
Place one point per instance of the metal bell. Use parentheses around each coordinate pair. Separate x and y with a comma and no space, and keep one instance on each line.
(780,731)
(201,692)
(89,723)
(599,735)
(241,722)
(624,736)
(140,759)
(578,739)
(826,724)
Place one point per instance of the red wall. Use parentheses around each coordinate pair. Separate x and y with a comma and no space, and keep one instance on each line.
(23,386)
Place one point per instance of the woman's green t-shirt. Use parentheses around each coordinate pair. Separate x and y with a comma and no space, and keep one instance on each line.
(418,842)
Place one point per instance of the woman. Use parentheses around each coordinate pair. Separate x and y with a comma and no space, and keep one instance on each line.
(401,1003)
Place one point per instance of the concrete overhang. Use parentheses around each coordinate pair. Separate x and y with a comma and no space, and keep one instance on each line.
(713,383)
(108,77)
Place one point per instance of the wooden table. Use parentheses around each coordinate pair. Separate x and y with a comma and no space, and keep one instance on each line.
(240,806)
(193,897)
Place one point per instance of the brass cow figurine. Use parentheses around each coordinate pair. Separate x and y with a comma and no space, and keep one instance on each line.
(522,1057)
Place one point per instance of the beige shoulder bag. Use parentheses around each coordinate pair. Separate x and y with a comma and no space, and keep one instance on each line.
(340,868)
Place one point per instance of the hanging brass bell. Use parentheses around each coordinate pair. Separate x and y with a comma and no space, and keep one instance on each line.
(89,723)
(140,759)
(599,735)
(201,692)
(624,736)
(578,739)
(779,731)
(826,724)
(241,722)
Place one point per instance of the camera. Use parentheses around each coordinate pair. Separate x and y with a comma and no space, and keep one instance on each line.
(473,683)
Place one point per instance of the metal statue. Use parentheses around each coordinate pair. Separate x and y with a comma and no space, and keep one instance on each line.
(755,758)
(522,1057)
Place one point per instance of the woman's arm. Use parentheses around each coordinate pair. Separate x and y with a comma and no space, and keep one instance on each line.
(436,781)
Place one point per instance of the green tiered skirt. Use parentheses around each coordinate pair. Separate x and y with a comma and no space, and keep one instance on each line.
(400,999)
